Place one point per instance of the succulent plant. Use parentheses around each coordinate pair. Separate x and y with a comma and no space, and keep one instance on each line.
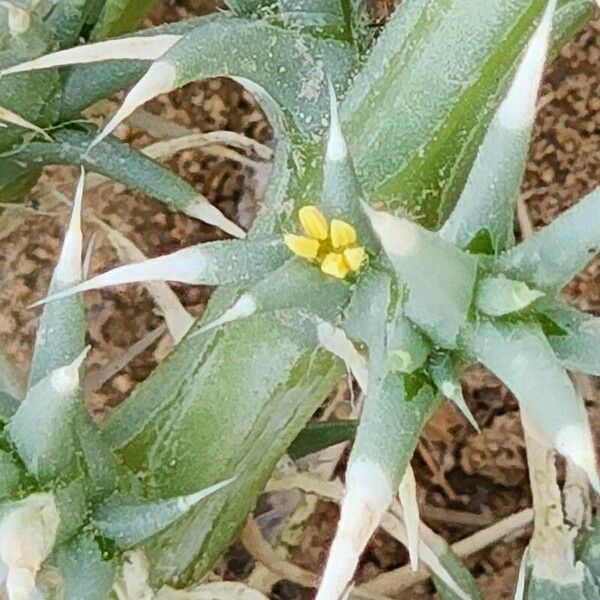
(384,245)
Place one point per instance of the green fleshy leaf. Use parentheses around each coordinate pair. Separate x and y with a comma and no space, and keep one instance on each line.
(419,162)
(33,96)
(85,573)
(292,71)
(522,358)
(440,302)
(446,378)
(210,263)
(573,335)
(320,17)
(551,257)
(319,435)
(180,438)
(72,508)
(120,16)
(459,574)
(497,296)
(42,429)
(489,197)
(391,423)
(128,522)
(118,161)
(66,20)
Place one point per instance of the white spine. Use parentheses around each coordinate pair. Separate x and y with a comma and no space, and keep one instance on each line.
(517,111)
(368,496)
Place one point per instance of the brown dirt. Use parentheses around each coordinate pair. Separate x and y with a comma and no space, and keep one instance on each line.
(481,474)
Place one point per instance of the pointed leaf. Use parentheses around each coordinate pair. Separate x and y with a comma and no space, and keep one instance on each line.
(177,318)
(407,493)
(61,333)
(488,200)
(134,48)
(573,335)
(419,161)
(174,425)
(438,303)
(459,574)
(235,47)
(42,430)
(497,296)
(387,434)
(522,358)
(118,161)
(318,435)
(554,255)
(129,522)
(446,378)
(210,263)
(341,193)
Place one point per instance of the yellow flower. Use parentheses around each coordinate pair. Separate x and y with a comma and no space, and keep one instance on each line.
(332,247)
(342,234)
(354,257)
(301,245)
(313,222)
(334,264)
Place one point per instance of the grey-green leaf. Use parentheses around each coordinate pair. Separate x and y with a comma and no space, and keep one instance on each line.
(118,161)
(42,429)
(439,303)
(554,255)
(522,358)
(129,522)
(488,200)
(573,335)
(85,574)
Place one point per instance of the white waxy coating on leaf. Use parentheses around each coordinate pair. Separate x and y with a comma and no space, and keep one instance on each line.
(132,48)
(160,78)
(337,150)
(368,496)
(10,117)
(68,270)
(407,493)
(336,341)
(244,307)
(27,536)
(517,111)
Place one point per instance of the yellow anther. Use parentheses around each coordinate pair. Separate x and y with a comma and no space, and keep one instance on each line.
(342,234)
(301,245)
(313,222)
(334,264)
(354,257)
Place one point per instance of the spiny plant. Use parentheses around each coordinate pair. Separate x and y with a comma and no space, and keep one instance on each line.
(384,245)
